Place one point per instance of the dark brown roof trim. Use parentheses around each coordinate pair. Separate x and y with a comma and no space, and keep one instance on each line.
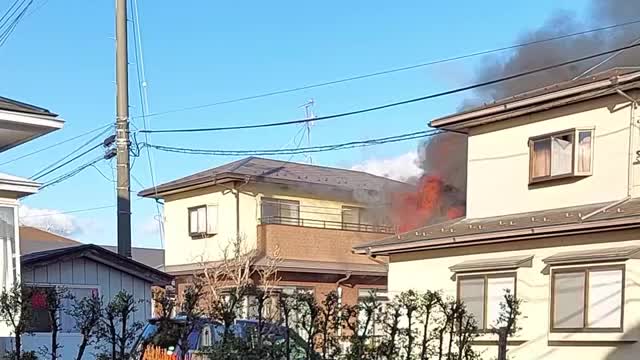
(502,236)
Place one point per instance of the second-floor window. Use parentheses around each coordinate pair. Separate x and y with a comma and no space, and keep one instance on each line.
(203,220)
(563,154)
(279,211)
(356,218)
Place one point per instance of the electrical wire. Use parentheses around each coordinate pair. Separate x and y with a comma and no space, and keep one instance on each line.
(71,211)
(71,173)
(394,104)
(299,150)
(67,162)
(46,170)
(395,70)
(8,30)
(144,100)
(54,145)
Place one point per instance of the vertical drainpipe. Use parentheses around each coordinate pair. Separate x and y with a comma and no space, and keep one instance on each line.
(339,291)
(236,192)
(632,141)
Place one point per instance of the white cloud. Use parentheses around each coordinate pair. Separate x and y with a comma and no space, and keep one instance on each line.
(401,167)
(52,220)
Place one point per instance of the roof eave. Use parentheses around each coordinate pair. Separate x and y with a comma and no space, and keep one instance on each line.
(465,120)
(502,236)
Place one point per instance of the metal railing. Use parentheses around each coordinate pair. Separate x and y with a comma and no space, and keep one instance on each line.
(326,224)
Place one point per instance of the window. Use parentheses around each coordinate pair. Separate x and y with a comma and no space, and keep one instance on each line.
(483,294)
(203,220)
(7,245)
(588,299)
(40,320)
(375,325)
(278,211)
(357,218)
(563,154)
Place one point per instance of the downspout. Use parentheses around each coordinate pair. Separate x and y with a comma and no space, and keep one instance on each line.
(630,171)
(339,290)
(630,160)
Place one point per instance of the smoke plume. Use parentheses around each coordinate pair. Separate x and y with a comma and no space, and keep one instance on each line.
(600,13)
(440,192)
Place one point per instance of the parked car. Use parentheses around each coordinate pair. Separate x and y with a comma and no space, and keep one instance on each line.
(207,333)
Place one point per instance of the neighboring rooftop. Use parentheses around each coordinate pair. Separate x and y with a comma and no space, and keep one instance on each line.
(257,169)
(559,94)
(465,232)
(34,240)
(17,106)
(98,254)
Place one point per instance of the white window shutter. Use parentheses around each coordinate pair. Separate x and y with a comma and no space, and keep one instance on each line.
(212,219)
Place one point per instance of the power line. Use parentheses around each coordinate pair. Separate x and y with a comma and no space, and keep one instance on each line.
(67,162)
(44,171)
(299,150)
(399,103)
(71,211)
(8,30)
(71,173)
(54,145)
(395,70)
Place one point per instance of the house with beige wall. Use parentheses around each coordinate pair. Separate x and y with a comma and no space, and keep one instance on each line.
(306,216)
(553,215)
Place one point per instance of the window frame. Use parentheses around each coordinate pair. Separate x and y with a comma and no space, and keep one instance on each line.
(199,234)
(585,316)
(280,219)
(61,332)
(574,132)
(486,276)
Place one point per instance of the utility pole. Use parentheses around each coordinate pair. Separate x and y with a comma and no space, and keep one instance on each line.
(122,131)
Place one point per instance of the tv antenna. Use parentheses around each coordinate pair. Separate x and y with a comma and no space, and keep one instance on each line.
(309,114)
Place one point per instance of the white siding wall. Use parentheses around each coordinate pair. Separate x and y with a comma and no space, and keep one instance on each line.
(85,272)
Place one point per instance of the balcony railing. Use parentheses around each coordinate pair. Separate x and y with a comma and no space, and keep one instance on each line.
(326,224)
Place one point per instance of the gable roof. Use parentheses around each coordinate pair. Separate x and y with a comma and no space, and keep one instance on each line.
(256,169)
(33,240)
(466,232)
(100,255)
(548,97)
(20,107)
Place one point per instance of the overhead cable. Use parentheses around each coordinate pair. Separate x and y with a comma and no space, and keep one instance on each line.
(395,70)
(299,150)
(394,104)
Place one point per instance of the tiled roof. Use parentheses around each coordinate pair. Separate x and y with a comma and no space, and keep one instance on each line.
(17,106)
(457,231)
(268,170)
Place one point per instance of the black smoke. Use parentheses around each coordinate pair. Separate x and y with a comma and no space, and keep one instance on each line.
(600,13)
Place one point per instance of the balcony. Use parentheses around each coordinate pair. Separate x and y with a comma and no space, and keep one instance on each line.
(327,224)
(307,243)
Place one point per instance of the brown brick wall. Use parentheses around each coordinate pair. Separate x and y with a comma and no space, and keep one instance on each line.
(317,244)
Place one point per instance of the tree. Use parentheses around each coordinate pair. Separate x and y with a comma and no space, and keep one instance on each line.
(16,312)
(116,329)
(506,323)
(86,313)
(53,304)
(426,305)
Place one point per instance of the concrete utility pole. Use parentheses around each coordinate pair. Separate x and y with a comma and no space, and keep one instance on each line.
(122,131)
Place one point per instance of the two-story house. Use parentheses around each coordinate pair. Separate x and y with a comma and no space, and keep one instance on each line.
(19,123)
(313,215)
(553,214)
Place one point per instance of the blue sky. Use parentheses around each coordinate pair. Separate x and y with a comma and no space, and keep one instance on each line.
(62,57)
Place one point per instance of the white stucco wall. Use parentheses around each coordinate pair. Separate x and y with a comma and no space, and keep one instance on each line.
(430,270)
(498,160)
